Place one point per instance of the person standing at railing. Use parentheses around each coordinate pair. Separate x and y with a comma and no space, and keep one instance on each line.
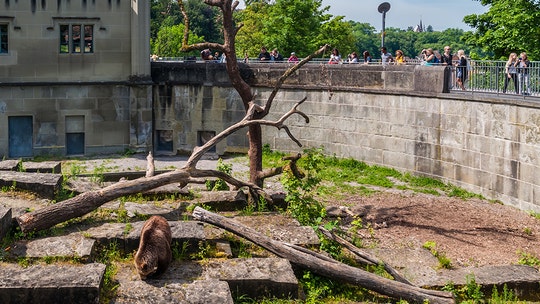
(522,65)
(264,55)
(335,57)
(367,57)
(386,57)
(461,69)
(275,56)
(293,58)
(400,59)
(510,72)
(446,57)
(352,58)
(429,57)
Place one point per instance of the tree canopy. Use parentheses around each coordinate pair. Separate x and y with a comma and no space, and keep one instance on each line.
(299,26)
(302,26)
(508,26)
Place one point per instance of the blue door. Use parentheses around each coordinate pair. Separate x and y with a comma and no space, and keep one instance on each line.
(20,136)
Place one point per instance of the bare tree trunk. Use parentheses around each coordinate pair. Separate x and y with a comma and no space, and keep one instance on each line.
(325,266)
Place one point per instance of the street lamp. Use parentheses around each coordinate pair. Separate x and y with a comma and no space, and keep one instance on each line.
(383,8)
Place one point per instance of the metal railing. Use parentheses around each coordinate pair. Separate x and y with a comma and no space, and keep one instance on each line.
(491,77)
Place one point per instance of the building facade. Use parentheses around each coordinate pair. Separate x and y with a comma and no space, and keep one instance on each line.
(74,77)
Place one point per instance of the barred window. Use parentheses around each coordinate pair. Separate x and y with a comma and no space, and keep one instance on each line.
(3,38)
(76,38)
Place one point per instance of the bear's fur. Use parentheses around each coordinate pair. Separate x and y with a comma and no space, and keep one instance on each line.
(154,254)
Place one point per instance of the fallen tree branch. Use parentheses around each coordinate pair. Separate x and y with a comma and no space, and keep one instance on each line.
(326,267)
(371,260)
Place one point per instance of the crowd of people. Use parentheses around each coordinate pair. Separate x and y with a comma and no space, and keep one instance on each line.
(516,68)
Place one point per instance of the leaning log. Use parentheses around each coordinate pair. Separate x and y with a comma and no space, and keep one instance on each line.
(87,202)
(327,267)
(364,256)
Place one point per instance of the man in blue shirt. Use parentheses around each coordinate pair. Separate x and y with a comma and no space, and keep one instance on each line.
(386,57)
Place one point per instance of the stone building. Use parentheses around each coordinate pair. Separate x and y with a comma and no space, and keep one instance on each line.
(74,77)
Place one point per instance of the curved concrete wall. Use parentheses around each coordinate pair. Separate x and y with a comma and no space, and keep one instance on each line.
(395,116)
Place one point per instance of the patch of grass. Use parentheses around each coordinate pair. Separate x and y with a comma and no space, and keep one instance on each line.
(180,251)
(444,262)
(462,193)
(526,258)
(110,256)
(320,289)
(219,184)
(470,293)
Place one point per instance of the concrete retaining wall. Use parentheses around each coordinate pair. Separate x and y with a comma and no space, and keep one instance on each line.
(395,116)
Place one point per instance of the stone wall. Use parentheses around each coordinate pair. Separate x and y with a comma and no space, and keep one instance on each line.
(113,117)
(396,116)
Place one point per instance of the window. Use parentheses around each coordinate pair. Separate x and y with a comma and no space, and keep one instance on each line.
(3,39)
(76,38)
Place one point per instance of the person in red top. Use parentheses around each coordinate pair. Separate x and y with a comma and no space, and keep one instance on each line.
(293,58)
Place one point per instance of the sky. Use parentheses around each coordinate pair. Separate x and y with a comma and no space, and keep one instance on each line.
(440,14)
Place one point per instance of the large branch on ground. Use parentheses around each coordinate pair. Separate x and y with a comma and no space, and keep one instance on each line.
(365,257)
(89,201)
(325,266)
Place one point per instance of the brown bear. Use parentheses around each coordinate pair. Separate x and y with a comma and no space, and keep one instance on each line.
(154,254)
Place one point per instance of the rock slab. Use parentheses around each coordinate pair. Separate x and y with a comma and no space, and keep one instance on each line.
(51,283)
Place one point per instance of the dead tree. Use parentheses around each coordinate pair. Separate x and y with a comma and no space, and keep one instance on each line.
(227,8)
(86,202)
(326,266)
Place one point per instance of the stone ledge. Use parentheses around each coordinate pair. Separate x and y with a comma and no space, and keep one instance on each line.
(73,245)
(43,167)
(50,283)
(201,282)
(43,184)
(182,231)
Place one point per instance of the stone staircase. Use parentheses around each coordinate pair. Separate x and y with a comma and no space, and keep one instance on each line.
(206,281)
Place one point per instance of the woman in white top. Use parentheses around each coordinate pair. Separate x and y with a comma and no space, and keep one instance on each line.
(335,58)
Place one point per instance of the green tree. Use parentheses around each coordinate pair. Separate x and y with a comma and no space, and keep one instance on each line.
(169,42)
(339,34)
(365,38)
(291,25)
(205,21)
(508,26)
(250,38)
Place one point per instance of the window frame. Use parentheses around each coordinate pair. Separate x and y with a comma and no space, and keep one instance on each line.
(70,34)
(4,38)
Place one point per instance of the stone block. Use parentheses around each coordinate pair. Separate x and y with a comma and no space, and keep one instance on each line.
(223,200)
(5,221)
(128,239)
(522,280)
(43,167)
(181,283)
(51,283)
(255,278)
(43,184)
(9,165)
(73,245)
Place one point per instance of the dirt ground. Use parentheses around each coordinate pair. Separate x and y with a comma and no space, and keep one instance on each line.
(469,232)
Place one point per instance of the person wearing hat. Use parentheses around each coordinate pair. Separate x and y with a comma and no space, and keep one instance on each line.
(293,58)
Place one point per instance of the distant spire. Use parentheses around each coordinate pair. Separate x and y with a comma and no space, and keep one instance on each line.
(419,27)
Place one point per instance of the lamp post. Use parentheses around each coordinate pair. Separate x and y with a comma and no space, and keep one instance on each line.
(383,8)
